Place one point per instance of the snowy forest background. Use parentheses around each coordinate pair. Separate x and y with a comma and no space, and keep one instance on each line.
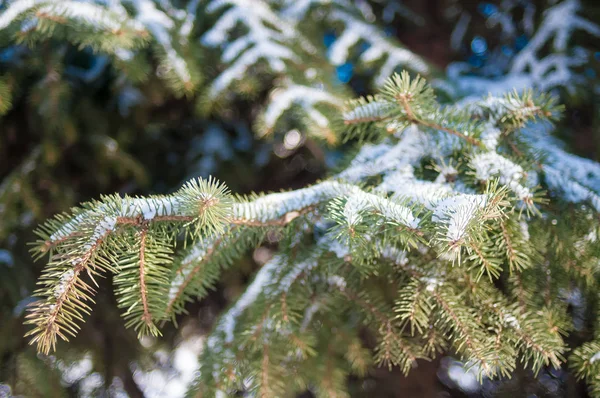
(79,124)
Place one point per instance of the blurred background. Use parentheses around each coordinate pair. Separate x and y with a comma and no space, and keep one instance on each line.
(78,127)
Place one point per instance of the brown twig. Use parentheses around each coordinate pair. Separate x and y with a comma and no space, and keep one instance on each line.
(147,317)
(404,101)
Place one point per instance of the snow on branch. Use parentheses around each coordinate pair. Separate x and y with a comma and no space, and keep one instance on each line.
(306,97)
(431,189)
(377,159)
(278,205)
(87,13)
(574,178)
(457,212)
(129,210)
(381,48)
(555,69)
(402,183)
(297,10)
(491,164)
(162,26)
(29,13)
(122,31)
(261,281)
(16,9)
(530,67)
(356,31)
(267,38)
(452,210)
(187,205)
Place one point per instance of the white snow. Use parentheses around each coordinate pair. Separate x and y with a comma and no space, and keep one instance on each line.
(306,97)
(491,164)
(148,208)
(160,24)
(404,184)
(263,40)
(512,321)
(105,226)
(337,281)
(431,283)
(338,248)
(397,256)
(261,280)
(373,160)
(457,212)
(310,311)
(357,31)
(300,267)
(86,12)
(490,136)
(15,10)
(276,205)
(466,379)
(63,283)
(576,179)
(528,69)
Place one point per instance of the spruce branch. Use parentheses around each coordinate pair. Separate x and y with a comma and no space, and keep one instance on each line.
(67,296)
(414,305)
(585,364)
(81,242)
(395,244)
(469,337)
(196,262)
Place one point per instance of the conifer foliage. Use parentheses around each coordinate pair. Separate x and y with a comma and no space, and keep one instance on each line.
(109,29)
(460,226)
(432,238)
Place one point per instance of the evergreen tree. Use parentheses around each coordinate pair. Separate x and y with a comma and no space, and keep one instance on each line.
(458,225)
